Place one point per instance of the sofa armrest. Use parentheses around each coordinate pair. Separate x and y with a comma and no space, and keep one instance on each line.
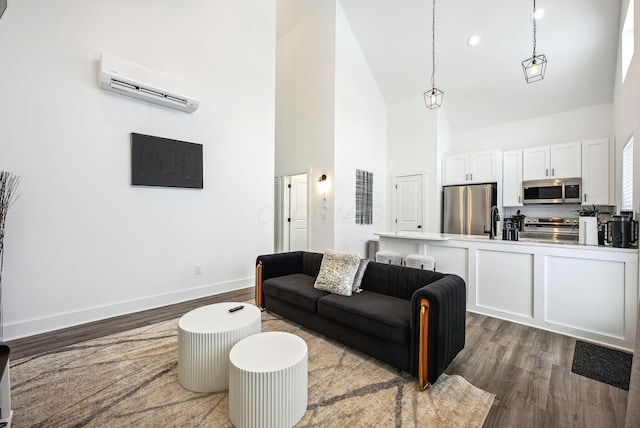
(274,265)
(438,316)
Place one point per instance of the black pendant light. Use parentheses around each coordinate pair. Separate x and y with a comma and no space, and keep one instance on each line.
(433,97)
(534,67)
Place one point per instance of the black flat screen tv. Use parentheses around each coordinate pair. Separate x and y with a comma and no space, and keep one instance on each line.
(157,161)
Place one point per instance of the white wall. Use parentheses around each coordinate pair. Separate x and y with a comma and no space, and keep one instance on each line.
(330,119)
(445,139)
(305,103)
(360,140)
(575,125)
(412,132)
(82,243)
(626,108)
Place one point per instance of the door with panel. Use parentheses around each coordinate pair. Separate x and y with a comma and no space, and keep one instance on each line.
(298,213)
(409,203)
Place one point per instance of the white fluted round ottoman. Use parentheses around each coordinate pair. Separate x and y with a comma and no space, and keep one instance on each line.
(205,337)
(268,381)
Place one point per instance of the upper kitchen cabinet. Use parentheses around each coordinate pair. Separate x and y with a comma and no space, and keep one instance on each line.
(455,169)
(596,172)
(556,161)
(478,167)
(512,178)
(566,160)
(535,163)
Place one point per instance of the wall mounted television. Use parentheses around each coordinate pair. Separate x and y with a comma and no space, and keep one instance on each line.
(157,161)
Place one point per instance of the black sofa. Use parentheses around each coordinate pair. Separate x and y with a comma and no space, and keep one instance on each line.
(410,318)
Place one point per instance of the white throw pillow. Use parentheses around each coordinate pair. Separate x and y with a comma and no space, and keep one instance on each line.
(337,272)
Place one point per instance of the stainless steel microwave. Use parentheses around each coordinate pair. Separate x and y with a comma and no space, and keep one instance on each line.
(556,191)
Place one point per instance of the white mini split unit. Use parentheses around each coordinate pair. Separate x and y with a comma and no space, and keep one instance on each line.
(127,78)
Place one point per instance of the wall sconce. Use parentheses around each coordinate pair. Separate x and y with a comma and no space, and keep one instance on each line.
(323,184)
(323,187)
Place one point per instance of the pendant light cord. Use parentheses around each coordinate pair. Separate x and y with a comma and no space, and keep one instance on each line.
(534,28)
(433,43)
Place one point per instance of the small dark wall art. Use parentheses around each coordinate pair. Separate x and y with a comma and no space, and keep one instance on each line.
(164,162)
(364,197)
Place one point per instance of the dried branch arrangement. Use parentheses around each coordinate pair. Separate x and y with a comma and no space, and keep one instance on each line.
(8,185)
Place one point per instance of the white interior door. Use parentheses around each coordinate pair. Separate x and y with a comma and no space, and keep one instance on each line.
(298,213)
(409,203)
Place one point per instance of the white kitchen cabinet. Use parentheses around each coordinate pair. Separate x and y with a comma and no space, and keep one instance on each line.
(585,291)
(566,160)
(596,172)
(455,169)
(535,163)
(477,167)
(555,161)
(512,178)
(574,288)
(507,289)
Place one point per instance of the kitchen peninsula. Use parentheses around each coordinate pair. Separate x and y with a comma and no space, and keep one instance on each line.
(589,292)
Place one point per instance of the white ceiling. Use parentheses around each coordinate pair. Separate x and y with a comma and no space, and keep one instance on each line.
(485,86)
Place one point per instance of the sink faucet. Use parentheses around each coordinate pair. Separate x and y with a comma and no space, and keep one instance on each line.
(495,216)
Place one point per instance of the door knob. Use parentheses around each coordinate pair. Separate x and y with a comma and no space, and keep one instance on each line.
(419,226)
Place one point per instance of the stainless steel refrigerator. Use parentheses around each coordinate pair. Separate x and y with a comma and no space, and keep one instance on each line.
(467,208)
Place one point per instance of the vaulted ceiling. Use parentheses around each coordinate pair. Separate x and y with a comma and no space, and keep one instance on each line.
(484,85)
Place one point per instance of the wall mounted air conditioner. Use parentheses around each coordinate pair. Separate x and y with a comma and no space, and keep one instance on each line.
(127,78)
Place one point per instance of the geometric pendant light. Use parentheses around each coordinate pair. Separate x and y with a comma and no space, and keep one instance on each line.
(534,67)
(433,97)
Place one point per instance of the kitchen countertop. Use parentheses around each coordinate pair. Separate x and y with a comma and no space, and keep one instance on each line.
(432,236)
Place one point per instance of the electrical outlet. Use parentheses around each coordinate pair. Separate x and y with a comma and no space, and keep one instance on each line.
(198,269)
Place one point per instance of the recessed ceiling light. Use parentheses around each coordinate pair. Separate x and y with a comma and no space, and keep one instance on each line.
(473,40)
(539,13)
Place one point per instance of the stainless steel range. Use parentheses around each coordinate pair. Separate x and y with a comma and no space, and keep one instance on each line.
(551,228)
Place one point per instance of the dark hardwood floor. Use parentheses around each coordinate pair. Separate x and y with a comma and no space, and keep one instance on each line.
(57,339)
(528,369)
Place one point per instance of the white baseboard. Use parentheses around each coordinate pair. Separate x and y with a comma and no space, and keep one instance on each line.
(69,319)
(8,420)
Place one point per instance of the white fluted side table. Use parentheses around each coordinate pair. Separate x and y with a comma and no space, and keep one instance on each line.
(205,337)
(268,381)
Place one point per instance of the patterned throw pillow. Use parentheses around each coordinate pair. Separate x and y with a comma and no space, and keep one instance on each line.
(337,272)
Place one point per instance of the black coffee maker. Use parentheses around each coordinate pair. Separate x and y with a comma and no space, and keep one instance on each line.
(518,221)
(512,226)
(621,231)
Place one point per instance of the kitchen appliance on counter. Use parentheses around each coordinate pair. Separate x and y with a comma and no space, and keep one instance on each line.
(466,209)
(557,191)
(512,226)
(510,230)
(558,229)
(621,231)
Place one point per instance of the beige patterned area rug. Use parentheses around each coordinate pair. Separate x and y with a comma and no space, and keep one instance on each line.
(130,379)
